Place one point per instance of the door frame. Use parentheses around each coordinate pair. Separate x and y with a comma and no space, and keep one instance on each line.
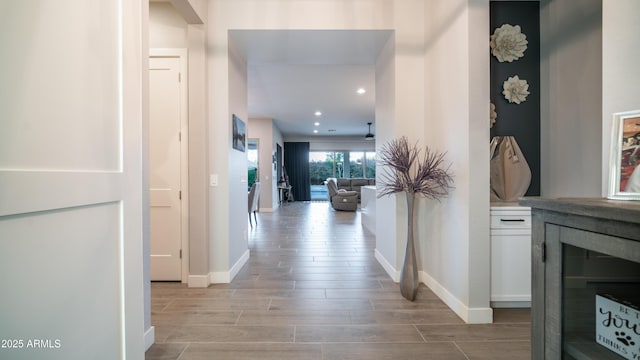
(182,54)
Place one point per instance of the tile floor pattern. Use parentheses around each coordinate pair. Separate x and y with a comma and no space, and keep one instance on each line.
(312,289)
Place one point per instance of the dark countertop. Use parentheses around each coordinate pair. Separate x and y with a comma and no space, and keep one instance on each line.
(628,211)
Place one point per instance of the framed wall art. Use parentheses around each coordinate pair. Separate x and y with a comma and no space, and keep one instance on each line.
(624,172)
(238,134)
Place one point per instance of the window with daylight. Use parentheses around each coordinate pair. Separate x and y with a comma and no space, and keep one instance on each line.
(338,164)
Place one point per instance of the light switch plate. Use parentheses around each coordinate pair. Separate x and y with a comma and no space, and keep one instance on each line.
(213,179)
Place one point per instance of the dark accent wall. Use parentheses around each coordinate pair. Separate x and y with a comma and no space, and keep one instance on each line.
(520,120)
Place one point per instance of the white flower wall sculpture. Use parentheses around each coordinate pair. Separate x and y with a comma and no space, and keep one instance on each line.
(493,115)
(515,90)
(508,43)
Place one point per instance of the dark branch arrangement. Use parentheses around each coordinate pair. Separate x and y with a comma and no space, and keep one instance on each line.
(406,171)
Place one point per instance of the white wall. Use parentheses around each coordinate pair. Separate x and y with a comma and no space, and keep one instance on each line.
(262,130)
(455,233)
(167,28)
(277,139)
(238,182)
(386,219)
(571,98)
(149,330)
(228,201)
(620,70)
(198,152)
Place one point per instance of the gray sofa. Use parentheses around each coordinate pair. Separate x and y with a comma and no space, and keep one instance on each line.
(341,199)
(354,184)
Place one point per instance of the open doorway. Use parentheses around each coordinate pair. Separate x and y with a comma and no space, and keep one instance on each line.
(253,161)
(316,86)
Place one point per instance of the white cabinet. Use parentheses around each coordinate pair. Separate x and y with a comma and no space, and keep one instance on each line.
(510,255)
(368,208)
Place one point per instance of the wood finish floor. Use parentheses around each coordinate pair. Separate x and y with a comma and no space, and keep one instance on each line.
(312,289)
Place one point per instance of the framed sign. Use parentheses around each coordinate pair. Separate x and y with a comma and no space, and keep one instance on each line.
(624,172)
(616,321)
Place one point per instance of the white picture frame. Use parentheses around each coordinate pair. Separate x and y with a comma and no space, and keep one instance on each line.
(624,169)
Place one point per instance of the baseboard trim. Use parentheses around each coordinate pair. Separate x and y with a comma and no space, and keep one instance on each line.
(469,315)
(235,269)
(510,304)
(219,277)
(225,277)
(393,273)
(149,337)
(265,210)
(198,281)
(511,298)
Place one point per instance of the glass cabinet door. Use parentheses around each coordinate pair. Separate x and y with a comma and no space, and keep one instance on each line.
(600,306)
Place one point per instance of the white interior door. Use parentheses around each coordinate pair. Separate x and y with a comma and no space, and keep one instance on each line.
(165,168)
(71,229)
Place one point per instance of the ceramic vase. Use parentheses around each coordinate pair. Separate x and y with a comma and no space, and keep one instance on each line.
(409,273)
(509,171)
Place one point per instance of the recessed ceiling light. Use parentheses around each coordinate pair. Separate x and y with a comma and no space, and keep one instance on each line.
(317,113)
(316,123)
(361,91)
(315,131)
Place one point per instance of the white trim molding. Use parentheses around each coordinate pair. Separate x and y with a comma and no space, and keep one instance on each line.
(199,281)
(235,269)
(469,315)
(225,277)
(393,272)
(219,277)
(149,337)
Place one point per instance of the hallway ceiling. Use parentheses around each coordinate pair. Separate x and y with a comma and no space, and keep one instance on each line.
(293,73)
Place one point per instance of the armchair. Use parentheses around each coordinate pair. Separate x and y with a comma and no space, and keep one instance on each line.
(342,199)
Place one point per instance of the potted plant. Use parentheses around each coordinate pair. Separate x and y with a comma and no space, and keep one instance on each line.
(406,171)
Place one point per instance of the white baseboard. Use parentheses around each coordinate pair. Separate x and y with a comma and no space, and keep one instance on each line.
(235,269)
(266,210)
(510,304)
(469,315)
(511,298)
(225,277)
(198,281)
(219,277)
(149,337)
(393,273)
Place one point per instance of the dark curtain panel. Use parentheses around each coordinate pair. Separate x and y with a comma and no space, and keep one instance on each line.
(296,163)
(279,161)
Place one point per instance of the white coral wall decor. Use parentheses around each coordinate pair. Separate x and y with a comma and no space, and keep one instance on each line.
(493,115)
(508,43)
(515,90)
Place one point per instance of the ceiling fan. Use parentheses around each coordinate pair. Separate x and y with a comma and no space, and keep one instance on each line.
(369,135)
